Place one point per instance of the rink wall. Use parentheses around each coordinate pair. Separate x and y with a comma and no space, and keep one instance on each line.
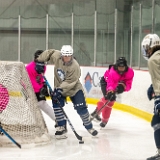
(135,101)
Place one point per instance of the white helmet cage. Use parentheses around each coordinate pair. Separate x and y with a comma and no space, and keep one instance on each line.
(149,41)
(67,50)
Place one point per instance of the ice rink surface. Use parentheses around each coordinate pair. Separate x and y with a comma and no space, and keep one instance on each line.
(126,137)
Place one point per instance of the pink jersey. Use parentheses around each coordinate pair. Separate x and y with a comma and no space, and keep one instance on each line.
(35,78)
(112,78)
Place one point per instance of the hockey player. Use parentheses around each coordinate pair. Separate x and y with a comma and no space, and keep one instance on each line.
(36,70)
(151,51)
(116,80)
(66,83)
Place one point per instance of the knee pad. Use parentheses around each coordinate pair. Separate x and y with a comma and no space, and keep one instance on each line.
(155,120)
(81,109)
(79,102)
(80,106)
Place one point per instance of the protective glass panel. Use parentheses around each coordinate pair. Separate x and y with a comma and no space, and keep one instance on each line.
(157,13)
(9,33)
(33,30)
(60,17)
(146,26)
(105,32)
(84,32)
(135,35)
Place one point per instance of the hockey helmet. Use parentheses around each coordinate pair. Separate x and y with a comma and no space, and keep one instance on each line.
(67,50)
(149,41)
(121,62)
(37,53)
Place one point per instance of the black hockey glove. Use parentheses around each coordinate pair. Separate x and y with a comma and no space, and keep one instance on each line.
(157,105)
(56,94)
(60,101)
(44,90)
(110,95)
(120,88)
(150,92)
(40,67)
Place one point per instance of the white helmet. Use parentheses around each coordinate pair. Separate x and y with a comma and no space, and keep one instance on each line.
(67,50)
(149,41)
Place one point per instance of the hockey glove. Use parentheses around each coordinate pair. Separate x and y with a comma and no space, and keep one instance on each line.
(56,94)
(44,90)
(110,95)
(120,88)
(58,102)
(40,67)
(157,105)
(150,92)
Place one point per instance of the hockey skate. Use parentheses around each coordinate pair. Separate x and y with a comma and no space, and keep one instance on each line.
(56,124)
(103,124)
(61,132)
(92,131)
(95,116)
(156,157)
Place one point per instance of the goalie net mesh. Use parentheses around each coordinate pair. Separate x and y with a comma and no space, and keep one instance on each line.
(22,118)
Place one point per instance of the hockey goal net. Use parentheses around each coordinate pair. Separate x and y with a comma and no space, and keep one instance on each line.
(22,118)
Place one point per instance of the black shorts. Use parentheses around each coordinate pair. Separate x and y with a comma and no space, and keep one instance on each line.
(40,97)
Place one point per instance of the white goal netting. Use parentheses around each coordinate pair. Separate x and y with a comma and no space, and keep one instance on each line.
(22,118)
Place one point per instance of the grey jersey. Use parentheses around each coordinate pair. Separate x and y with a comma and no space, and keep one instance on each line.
(154,70)
(66,77)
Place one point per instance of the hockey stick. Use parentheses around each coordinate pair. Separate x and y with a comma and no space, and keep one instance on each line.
(78,136)
(100,109)
(1,129)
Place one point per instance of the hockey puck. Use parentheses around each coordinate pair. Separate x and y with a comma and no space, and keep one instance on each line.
(81,142)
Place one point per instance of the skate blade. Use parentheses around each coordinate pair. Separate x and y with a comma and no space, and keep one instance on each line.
(61,137)
(95,120)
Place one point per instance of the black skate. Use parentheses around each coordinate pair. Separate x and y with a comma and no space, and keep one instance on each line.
(95,116)
(92,131)
(56,124)
(103,124)
(61,132)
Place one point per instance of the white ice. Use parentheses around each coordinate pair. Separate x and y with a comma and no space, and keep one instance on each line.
(126,137)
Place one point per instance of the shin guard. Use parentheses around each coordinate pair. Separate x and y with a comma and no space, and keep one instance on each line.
(155,123)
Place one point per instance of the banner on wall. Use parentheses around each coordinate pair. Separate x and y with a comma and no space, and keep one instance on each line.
(90,79)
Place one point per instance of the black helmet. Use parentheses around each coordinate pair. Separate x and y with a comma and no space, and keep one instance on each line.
(121,62)
(37,53)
